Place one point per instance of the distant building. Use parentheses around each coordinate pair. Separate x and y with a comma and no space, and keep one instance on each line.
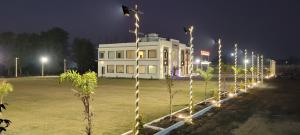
(158,57)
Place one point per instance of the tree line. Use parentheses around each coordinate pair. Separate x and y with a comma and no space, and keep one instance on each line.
(54,43)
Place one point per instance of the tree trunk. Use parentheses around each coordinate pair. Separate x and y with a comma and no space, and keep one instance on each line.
(171,109)
(88,114)
(205,97)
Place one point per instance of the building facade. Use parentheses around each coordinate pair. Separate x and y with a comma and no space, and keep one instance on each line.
(158,57)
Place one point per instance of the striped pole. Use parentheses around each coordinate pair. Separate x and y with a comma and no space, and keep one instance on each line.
(252,67)
(235,66)
(191,105)
(245,62)
(220,68)
(137,82)
(262,69)
(257,69)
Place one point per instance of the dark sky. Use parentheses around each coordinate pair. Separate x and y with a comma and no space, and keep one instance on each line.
(270,27)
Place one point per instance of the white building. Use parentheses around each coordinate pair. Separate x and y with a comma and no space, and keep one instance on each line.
(158,57)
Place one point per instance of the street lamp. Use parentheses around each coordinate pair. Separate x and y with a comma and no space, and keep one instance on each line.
(252,68)
(197,62)
(220,76)
(257,69)
(16,71)
(127,12)
(235,66)
(246,61)
(43,60)
(189,30)
(232,54)
(262,69)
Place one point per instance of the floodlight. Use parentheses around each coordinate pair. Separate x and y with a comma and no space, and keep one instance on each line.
(44,59)
(125,10)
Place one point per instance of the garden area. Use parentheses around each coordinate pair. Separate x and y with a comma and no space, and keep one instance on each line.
(44,106)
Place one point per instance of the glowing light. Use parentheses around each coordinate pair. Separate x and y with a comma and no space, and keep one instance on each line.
(246,61)
(189,31)
(230,95)
(252,67)
(197,61)
(220,68)
(262,69)
(235,66)
(215,103)
(181,116)
(191,105)
(232,54)
(257,70)
(44,59)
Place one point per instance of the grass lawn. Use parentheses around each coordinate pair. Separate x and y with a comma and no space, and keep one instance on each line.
(42,106)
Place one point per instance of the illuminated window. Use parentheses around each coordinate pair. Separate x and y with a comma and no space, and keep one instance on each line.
(130,54)
(120,68)
(120,54)
(142,54)
(152,69)
(101,54)
(111,54)
(143,69)
(110,68)
(152,54)
(129,69)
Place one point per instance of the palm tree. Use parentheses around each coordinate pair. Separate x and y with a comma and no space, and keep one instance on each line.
(83,86)
(206,75)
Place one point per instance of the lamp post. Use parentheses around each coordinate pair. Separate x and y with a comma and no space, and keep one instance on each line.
(220,68)
(257,69)
(189,31)
(252,67)
(16,67)
(262,69)
(44,60)
(136,14)
(245,62)
(235,66)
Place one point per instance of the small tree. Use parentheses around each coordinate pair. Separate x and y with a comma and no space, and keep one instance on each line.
(206,75)
(83,86)
(5,88)
(170,84)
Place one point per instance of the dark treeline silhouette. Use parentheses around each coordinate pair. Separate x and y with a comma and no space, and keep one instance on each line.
(53,43)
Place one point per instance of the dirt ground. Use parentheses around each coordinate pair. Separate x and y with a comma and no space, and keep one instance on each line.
(272,109)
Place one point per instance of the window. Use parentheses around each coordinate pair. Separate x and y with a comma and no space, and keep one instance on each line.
(110,68)
(111,54)
(143,69)
(166,54)
(129,69)
(120,54)
(101,55)
(152,54)
(130,54)
(120,68)
(142,54)
(152,69)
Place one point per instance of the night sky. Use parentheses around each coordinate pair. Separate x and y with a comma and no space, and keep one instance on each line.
(270,27)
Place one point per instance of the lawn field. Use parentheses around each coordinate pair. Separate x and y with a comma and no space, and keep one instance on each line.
(42,106)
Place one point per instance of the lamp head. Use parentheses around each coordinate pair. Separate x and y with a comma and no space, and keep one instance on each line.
(44,59)
(125,10)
